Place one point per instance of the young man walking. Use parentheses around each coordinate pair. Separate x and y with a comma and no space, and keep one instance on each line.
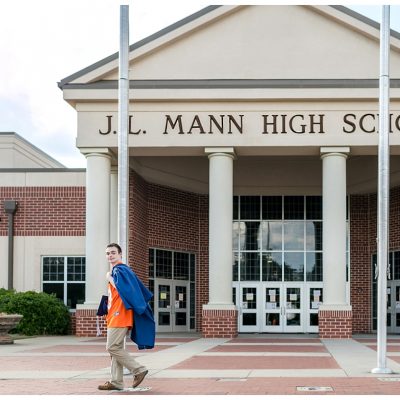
(127,309)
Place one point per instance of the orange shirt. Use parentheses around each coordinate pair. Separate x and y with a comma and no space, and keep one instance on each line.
(118,316)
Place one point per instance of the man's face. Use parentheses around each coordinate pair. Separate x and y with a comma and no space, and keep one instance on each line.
(113,257)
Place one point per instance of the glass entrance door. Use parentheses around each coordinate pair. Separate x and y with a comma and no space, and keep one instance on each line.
(171,306)
(283,307)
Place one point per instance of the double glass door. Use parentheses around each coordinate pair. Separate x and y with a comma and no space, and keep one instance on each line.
(278,307)
(171,305)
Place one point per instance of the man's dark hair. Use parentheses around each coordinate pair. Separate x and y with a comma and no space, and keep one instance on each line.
(116,245)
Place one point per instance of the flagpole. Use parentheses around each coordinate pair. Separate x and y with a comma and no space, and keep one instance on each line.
(123,110)
(383,192)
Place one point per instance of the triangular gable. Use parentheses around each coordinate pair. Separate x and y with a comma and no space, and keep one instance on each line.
(256,42)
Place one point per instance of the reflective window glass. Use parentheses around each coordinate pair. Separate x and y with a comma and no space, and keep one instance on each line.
(272,267)
(250,267)
(293,235)
(271,235)
(314,235)
(293,267)
(250,235)
(314,270)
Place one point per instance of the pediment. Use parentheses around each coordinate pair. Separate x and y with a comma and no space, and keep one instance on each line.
(257,42)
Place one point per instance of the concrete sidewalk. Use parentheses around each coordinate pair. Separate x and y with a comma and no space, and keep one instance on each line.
(188,364)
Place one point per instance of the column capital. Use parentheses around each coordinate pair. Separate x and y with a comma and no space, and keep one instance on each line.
(342,151)
(102,151)
(227,151)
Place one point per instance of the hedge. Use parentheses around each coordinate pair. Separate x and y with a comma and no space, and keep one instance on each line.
(43,314)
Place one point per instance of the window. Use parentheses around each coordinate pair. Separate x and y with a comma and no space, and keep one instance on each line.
(277,238)
(65,276)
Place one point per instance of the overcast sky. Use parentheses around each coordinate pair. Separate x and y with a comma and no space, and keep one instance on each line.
(44,41)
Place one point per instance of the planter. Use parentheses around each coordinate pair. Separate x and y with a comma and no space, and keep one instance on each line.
(8,322)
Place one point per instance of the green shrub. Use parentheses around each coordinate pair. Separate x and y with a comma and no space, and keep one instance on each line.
(43,314)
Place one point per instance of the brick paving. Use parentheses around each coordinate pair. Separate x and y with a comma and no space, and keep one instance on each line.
(273,365)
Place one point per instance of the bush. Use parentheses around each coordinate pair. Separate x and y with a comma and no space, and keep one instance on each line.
(43,314)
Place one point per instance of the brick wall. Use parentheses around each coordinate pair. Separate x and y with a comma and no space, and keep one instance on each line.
(219,324)
(167,218)
(45,211)
(360,261)
(335,324)
(86,323)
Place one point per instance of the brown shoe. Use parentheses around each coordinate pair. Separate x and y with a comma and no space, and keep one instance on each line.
(108,386)
(137,380)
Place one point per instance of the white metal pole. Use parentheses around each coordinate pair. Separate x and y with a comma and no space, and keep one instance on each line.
(123,110)
(383,191)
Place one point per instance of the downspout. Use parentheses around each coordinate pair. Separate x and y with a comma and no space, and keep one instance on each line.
(10,207)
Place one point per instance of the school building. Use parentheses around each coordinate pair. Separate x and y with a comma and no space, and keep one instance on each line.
(253,142)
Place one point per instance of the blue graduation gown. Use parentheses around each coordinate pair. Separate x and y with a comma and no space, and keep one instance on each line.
(136,296)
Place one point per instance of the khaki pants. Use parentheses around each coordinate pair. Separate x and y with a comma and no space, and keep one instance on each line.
(120,357)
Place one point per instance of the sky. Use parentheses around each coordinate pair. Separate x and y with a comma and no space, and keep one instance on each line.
(44,41)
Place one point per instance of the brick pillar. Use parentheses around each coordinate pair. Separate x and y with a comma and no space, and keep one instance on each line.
(335,324)
(85,320)
(219,323)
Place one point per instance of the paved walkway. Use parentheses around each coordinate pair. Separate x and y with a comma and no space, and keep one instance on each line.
(189,364)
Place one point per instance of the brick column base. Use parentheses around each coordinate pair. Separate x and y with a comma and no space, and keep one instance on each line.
(85,321)
(219,323)
(335,324)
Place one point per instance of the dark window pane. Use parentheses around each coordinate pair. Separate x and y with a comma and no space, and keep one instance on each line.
(294,207)
(192,268)
(250,267)
(76,269)
(249,207)
(272,319)
(234,295)
(293,319)
(235,267)
(75,294)
(314,207)
(151,263)
(56,288)
(151,288)
(192,300)
(396,265)
(314,270)
(314,319)
(272,207)
(272,267)
(235,207)
(164,264)
(164,318)
(181,266)
(53,269)
(250,235)
(180,319)
(249,319)
(272,298)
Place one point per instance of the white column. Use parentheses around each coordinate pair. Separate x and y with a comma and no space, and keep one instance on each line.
(220,227)
(334,226)
(114,205)
(97,224)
